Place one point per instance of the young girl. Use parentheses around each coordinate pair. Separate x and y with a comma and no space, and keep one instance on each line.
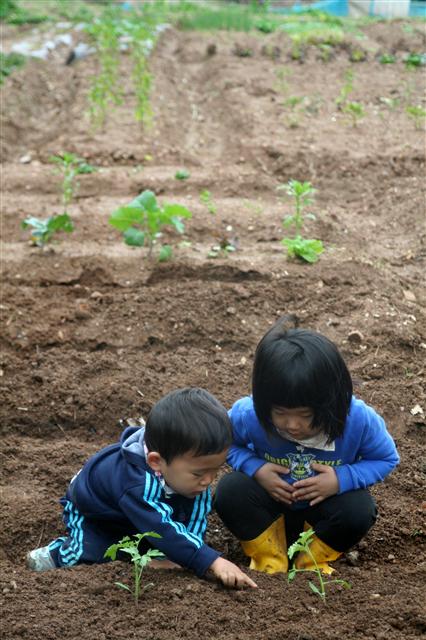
(304,452)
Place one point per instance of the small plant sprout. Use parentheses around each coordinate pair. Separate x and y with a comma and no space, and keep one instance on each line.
(308,250)
(418,114)
(222,248)
(43,230)
(142,221)
(182,174)
(69,166)
(387,58)
(355,111)
(303,544)
(207,200)
(346,89)
(131,547)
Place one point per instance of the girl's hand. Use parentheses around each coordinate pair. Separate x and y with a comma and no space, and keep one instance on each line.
(317,488)
(230,575)
(268,476)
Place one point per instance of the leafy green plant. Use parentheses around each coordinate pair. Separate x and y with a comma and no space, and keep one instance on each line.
(142,221)
(357,55)
(418,114)
(414,60)
(306,249)
(207,200)
(69,166)
(355,111)
(12,13)
(387,58)
(105,89)
(8,63)
(131,547)
(43,230)
(182,174)
(302,545)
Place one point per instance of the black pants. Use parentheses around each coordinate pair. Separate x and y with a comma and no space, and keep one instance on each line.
(247,509)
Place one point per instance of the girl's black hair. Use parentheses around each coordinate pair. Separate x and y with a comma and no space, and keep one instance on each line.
(185,420)
(301,368)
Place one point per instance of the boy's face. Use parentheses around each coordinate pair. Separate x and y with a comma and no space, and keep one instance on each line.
(187,474)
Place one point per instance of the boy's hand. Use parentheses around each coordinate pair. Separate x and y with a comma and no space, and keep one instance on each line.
(230,575)
(317,488)
(268,476)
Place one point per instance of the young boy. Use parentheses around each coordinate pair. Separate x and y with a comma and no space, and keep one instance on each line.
(155,479)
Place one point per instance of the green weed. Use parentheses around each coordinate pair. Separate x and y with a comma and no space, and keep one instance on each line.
(347,88)
(8,63)
(417,114)
(131,547)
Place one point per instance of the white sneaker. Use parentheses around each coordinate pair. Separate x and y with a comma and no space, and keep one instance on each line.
(40,560)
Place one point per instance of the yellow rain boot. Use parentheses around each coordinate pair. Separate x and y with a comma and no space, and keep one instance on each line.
(268,552)
(322,554)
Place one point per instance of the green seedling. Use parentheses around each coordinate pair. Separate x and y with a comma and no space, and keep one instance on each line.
(8,63)
(142,221)
(358,55)
(418,115)
(43,230)
(346,89)
(302,545)
(414,60)
(355,111)
(387,58)
(293,101)
(390,103)
(182,174)
(105,89)
(222,249)
(282,76)
(140,33)
(306,249)
(69,166)
(207,200)
(131,547)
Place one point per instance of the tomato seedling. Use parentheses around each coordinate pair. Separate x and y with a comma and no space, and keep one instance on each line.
(302,545)
(69,166)
(131,547)
(306,249)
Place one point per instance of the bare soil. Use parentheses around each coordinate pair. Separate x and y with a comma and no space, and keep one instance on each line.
(93,331)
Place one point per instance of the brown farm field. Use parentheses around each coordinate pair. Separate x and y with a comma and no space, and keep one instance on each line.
(93,331)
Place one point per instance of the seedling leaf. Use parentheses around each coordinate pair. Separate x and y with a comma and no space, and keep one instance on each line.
(134,237)
(124,217)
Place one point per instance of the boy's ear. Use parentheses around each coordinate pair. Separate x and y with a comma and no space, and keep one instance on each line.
(154,460)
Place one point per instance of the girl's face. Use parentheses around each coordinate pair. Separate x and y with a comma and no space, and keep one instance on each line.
(296,423)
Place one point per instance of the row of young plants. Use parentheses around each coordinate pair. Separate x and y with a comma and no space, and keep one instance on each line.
(143,220)
(354,111)
(130,547)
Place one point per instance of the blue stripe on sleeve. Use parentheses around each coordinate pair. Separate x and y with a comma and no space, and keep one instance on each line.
(151,496)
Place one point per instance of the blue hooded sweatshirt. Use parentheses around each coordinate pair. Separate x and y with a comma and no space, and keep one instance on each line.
(362,456)
(116,486)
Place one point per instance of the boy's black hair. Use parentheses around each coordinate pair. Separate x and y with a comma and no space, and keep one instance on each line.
(301,368)
(189,419)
